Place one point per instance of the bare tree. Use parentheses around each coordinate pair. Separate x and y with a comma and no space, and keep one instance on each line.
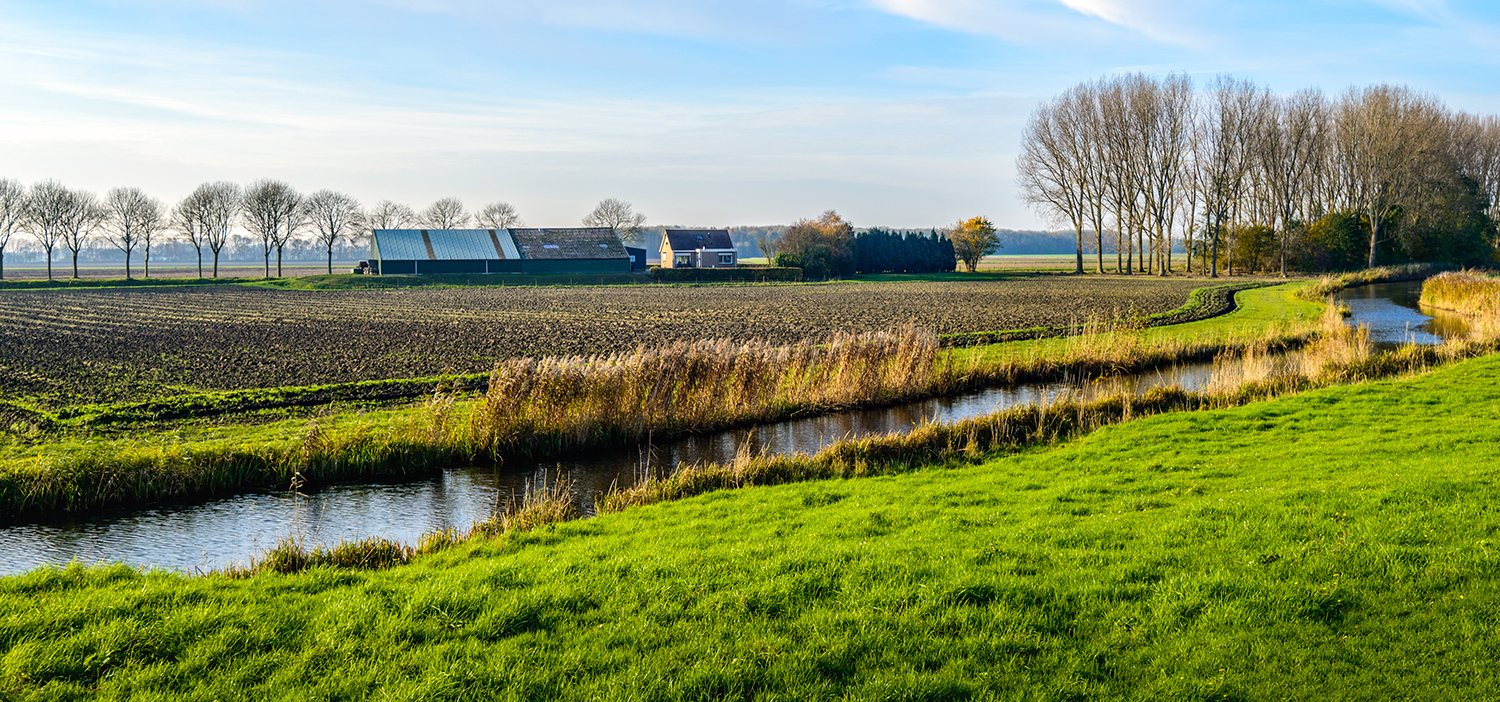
(619,216)
(499,215)
(55,214)
(1291,146)
(12,212)
(131,220)
(296,223)
(769,244)
(447,213)
(1054,160)
(1168,149)
(206,216)
(333,216)
(1384,132)
(389,215)
(87,223)
(270,211)
(1228,125)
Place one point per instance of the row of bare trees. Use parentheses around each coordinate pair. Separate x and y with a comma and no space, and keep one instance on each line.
(1158,163)
(56,216)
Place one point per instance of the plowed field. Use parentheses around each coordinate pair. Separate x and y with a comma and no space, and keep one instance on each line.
(64,347)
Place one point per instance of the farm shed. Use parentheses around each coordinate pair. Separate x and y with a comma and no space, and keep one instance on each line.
(535,251)
(698,248)
(637,258)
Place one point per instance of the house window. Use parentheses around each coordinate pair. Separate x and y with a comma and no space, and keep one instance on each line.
(682,261)
(726,259)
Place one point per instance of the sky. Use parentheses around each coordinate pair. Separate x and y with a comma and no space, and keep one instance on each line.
(901,113)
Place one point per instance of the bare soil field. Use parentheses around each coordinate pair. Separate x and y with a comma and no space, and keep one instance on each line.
(64,347)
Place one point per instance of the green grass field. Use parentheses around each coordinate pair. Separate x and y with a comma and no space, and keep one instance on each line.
(1340,544)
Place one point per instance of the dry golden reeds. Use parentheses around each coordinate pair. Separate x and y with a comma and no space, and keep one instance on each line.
(1474,294)
(544,405)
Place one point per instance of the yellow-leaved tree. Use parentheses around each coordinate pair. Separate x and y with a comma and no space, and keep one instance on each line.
(974,239)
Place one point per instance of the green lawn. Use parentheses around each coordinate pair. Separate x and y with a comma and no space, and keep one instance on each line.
(1340,544)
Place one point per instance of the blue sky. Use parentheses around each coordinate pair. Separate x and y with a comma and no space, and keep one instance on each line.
(894,112)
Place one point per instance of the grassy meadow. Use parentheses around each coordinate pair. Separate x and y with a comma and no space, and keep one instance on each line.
(1336,544)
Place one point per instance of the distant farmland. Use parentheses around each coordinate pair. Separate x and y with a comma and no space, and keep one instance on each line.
(69,346)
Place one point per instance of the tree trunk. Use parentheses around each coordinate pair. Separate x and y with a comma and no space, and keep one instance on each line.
(216,264)
(1078,238)
(268,264)
(49,265)
(1283,247)
(127,264)
(2,264)
(278,262)
(330,259)
(1119,255)
(1215,255)
(75,265)
(1099,248)
(1374,238)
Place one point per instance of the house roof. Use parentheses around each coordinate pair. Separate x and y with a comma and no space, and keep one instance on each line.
(444,244)
(577,243)
(492,244)
(694,239)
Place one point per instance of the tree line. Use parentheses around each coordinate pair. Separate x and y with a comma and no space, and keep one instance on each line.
(1244,178)
(274,213)
(830,247)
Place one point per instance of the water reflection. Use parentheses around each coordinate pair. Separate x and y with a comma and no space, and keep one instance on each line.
(1395,315)
(214,534)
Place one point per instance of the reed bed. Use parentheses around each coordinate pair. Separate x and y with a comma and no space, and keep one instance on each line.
(550,405)
(1468,292)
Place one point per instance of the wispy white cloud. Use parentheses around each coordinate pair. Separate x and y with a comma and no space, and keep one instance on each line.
(1042,22)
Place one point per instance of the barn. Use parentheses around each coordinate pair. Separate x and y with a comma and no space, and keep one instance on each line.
(534,251)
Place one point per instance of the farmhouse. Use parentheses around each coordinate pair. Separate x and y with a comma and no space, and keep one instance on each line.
(698,248)
(536,251)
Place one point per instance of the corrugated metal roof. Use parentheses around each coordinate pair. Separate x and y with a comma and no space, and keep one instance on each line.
(444,244)
(507,244)
(576,243)
(400,244)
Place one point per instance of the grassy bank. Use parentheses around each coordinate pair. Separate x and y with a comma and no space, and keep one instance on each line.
(1306,547)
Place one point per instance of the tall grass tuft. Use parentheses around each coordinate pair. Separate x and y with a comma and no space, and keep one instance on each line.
(292,556)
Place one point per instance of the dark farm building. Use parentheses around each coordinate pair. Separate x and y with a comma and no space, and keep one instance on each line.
(535,251)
